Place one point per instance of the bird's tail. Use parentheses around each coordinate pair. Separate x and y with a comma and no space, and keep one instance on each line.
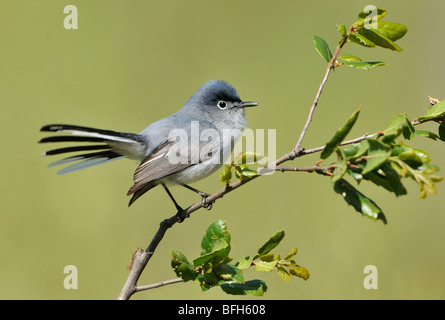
(107,146)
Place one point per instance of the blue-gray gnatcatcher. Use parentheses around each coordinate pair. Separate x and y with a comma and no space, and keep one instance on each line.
(179,149)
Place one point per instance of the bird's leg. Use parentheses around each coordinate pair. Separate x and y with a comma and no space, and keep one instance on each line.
(178,207)
(203,195)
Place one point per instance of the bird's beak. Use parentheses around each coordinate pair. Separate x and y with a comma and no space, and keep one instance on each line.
(245,104)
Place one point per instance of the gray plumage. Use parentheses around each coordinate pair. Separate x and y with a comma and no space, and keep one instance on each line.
(213,111)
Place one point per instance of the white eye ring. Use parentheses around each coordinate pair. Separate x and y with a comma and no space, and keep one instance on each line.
(222,104)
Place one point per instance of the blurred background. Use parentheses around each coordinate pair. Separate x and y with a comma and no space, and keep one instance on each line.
(131,63)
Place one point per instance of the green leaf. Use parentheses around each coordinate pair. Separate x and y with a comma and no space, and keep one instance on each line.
(248,157)
(214,257)
(340,135)
(369,15)
(377,154)
(435,112)
(387,178)
(342,29)
(299,272)
(228,272)
(428,134)
(359,201)
(265,266)
(365,65)
(243,172)
(442,131)
(322,48)
(283,273)
(182,267)
(215,244)
(226,174)
(216,232)
(412,156)
(356,150)
(379,39)
(349,57)
(244,263)
(391,30)
(398,125)
(361,40)
(252,287)
(340,166)
(291,254)
(271,243)
(268,257)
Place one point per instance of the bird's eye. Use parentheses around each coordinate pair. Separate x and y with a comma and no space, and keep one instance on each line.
(222,104)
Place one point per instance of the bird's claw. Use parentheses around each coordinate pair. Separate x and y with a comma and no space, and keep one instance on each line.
(204,203)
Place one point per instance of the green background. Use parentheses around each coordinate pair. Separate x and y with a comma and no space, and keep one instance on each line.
(133,62)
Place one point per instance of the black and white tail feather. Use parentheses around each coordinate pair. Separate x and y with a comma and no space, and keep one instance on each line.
(103,146)
(114,146)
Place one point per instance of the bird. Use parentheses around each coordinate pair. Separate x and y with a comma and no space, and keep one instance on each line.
(167,152)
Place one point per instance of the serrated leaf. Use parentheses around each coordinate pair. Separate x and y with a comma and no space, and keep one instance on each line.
(370,16)
(361,40)
(435,112)
(339,135)
(342,29)
(377,154)
(365,65)
(322,48)
(359,201)
(251,287)
(271,243)
(182,267)
(349,57)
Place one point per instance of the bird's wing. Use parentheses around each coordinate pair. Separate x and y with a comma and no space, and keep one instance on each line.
(159,164)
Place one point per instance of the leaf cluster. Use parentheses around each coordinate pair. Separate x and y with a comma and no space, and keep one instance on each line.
(239,168)
(383,161)
(214,268)
(369,31)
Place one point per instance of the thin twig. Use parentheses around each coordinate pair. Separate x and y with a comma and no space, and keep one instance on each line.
(307,169)
(158,284)
(331,66)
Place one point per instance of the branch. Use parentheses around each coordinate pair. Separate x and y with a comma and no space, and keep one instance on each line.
(158,284)
(331,66)
(307,169)
(141,258)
